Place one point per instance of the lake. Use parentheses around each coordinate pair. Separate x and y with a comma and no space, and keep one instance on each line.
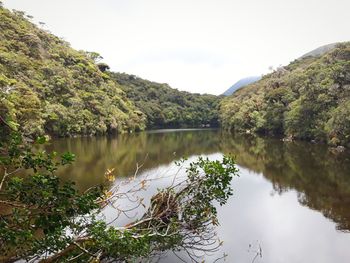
(292,199)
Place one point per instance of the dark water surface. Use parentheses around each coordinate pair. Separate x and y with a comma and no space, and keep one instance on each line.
(292,199)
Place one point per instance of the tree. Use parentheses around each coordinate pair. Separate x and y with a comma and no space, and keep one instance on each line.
(304,100)
(96,57)
(338,125)
(43,76)
(103,67)
(46,220)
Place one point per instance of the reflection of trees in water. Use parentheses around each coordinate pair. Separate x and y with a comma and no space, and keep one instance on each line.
(97,154)
(321,177)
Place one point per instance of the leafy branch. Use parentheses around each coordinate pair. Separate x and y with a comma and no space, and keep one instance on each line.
(46,220)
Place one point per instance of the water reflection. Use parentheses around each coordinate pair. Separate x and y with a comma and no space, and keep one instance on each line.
(292,198)
(321,177)
(124,152)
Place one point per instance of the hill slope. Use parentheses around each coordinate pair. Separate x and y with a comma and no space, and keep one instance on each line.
(319,51)
(166,107)
(239,84)
(49,87)
(308,99)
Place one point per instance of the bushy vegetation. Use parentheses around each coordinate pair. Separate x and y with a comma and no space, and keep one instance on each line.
(309,99)
(49,88)
(166,107)
(46,220)
(55,89)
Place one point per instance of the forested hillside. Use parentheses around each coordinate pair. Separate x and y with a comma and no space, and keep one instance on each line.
(51,88)
(308,99)
(47,87)
(166,107)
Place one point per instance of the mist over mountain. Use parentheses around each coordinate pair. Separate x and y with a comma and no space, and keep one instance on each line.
(319,51)
(241,83)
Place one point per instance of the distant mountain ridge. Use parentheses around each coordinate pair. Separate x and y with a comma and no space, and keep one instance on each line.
(241,83)
(319,51)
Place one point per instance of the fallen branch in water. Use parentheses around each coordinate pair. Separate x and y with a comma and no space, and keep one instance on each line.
(52,222)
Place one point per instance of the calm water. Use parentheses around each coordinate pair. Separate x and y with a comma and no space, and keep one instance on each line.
(291,199)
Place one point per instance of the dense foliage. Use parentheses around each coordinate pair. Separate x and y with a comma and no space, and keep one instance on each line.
(55,89)
(308,99)
(166,107)
(44,219)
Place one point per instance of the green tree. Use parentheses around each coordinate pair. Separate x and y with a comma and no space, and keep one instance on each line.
(303,100)
(165,107)
(44,76)
(46,220)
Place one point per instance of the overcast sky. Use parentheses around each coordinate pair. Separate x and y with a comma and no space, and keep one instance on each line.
(195,45)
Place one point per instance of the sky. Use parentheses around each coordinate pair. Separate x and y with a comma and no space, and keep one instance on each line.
(201,46)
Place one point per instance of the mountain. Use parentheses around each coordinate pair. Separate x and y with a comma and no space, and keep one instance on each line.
(309,99)
(47,87)
(319,51)
(241,83)
(165,107)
